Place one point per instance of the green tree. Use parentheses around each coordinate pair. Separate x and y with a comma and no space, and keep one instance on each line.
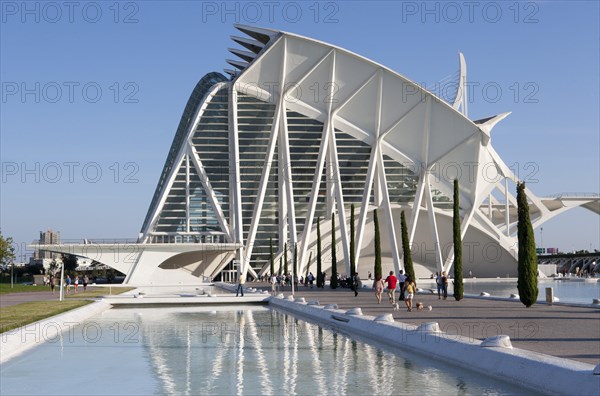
(53,267)
(7,251)
(377,270)
(295,265)
(285,260)
(333,282)
(527,283)
(319,263)
(70,262)
(280,265)
(308,265)
(408,263)
(272,256)
(458,271)
(352,243)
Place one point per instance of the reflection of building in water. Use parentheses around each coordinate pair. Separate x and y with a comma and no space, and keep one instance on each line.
(262,351)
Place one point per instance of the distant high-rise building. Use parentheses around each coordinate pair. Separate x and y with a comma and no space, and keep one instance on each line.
(47,238)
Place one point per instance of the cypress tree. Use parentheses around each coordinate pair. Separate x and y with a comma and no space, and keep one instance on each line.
(527,283)
(458,271)
(285,260)
(352,247)
(408,263)
(377,270)
(280,265)
(272,258)
(295,265)
(333,283)
(319,266)
(308,265)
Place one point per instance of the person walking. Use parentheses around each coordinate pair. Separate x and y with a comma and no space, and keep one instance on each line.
(240,287)
(86,280)
(355,283)
(391,281)
(76,282)
(444,285)
(68,282)
(311,279)
(439,283)
(401,279)
(378,286)
(52,283)
(273,284)
(409,290)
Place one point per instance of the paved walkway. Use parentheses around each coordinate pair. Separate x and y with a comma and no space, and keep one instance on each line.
(563,331)
(9,299)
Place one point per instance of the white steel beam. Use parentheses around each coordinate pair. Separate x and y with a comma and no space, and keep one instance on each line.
(187,193)
(235,184)
(339,195)
(388,211)
(165,192)
(324,155)
(433,224)
(314,197)
(366,198)
(210,192)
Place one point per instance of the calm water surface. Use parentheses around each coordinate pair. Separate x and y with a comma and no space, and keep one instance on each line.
(219,351)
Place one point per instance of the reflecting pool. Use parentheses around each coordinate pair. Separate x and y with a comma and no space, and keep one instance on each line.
(578,291)
(218,351)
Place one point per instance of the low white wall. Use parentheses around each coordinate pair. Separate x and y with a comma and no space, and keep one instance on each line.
(543,373)
(16,341)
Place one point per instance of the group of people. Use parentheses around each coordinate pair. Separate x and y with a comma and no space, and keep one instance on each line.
(406,286)
(69,282)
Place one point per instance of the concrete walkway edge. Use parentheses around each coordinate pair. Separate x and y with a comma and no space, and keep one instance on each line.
(15,342)
(536,371)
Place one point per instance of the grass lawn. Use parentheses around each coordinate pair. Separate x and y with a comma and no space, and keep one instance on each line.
(19,315)
(18,288)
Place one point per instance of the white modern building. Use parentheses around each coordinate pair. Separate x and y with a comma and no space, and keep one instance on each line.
(301,130)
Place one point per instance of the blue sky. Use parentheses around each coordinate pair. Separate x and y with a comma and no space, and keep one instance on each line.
(92,93)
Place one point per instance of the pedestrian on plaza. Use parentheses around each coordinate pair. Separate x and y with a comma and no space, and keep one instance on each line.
(274,284)
(444,285)
(76,282)
(240,287)
(409,290)
(401,279)
(86,280)
(439,283)
(391,281)
(311,279)
(68,283)
(52,283)
(378,286)
(355,283)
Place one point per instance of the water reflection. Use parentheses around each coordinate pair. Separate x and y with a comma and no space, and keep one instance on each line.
(252,350)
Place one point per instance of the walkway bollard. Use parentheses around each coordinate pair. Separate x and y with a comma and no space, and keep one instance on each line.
(549,295)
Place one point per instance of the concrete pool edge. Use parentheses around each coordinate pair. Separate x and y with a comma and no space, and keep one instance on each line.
(536,371)
(17,341)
